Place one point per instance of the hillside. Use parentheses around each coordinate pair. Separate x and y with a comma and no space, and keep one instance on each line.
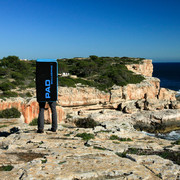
(99,72)
(16,75)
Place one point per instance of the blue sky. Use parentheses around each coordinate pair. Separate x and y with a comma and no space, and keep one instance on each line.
(78,28)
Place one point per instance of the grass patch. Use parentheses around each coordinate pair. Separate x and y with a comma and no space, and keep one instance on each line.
(41,142)
(34,122)
(176,142)
(44,161)
(10,113)
(135,151)
(62,162)
(2,126)
(8,94)
(166,154)
(115,142)
(114,137)
(6,168)
(86,123)
(85,136)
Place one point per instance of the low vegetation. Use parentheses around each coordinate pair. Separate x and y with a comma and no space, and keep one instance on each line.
(85,136)
(10,113)
(86,123)
(2,126)
(44,161)
(62,162)
(177,142)
(15,73)
(99,72)
(166,154)
(8,94)
(6,168)
(114,137)
(34,122)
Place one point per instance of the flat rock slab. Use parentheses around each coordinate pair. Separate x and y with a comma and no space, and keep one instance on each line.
(64,156)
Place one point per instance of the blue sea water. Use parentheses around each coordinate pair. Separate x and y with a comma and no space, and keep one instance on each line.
(169,74)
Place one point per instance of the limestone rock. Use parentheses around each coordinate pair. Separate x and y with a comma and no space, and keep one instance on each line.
(167,94)
(62,155)
(81,96)
(30,108)
(128,107)
(145,68)
(148,88)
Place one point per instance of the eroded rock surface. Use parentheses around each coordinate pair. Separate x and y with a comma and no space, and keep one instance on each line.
(145,68)
(63,155)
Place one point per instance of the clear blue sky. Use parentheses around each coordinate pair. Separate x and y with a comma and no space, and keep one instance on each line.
(78,28)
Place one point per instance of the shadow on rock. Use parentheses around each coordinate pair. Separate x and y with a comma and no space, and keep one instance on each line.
(12,131)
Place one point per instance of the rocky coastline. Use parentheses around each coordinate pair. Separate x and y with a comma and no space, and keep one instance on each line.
(117,147)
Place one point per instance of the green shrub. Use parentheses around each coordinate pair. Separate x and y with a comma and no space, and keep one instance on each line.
(3,71)
(177,142)
(10,113)
(62,66)
(17,76)
(2,126)
(18,82)
(114,137)
(31,84)
(5,86)
(101,72)
(135,151)
(28,94)
(62,162)
(44,161)
(23,72)
(34,122)
(66,82)
(6,168)
(9,94)
(85,136)
(86,123)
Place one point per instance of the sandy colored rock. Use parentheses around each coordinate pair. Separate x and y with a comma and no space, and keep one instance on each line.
(145,68)
(148,88)
(80,96)
(29,108)
(167,94)
(62,155)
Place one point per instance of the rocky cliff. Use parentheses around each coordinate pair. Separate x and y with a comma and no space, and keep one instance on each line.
(145,68)
(146,95)
(29,108)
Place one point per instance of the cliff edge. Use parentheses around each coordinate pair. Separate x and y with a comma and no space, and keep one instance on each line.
(81,100)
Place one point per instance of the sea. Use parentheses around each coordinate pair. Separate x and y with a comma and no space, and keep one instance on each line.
(169,75)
